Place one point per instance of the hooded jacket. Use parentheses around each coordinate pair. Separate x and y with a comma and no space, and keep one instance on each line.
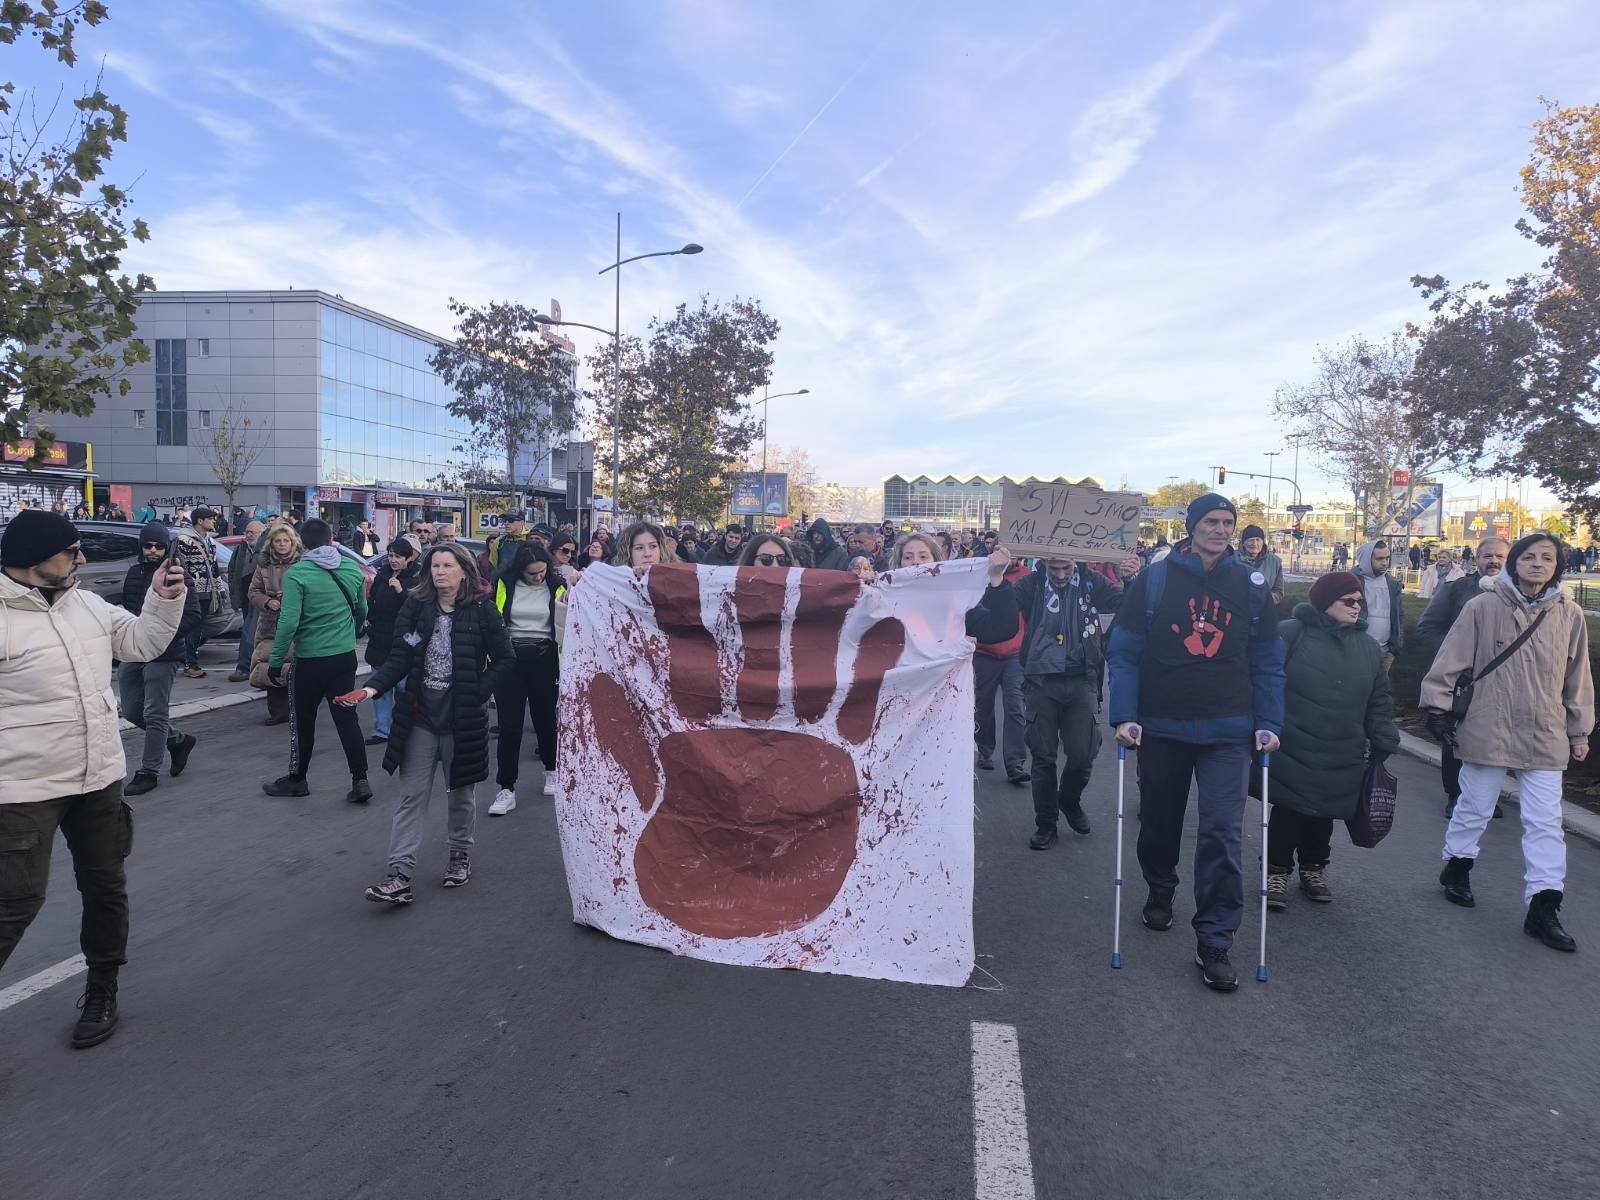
(58,716)
(1337,705)
(830,556)
(324,606)
(1433,579)
(1395,638)
(1538,704)
(1270,567)
(136,586)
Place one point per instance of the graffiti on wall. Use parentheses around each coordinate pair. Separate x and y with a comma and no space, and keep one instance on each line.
(14,496)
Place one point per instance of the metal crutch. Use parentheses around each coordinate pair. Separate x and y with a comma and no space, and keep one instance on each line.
(1266,774)
(1116,921)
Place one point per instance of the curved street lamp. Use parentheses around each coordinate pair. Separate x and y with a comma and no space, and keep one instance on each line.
(615,333)
(765,400)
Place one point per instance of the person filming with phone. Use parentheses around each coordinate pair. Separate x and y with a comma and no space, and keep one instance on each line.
(61,760)
(1196,683)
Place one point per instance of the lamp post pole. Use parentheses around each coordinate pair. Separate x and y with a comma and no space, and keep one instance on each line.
(615,333)
(765,400)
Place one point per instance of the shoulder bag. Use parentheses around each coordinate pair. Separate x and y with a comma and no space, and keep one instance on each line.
(1461,694)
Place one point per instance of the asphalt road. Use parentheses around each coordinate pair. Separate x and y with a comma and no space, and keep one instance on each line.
(281,1037)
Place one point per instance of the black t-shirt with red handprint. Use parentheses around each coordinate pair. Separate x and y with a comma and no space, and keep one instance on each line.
(1199,642)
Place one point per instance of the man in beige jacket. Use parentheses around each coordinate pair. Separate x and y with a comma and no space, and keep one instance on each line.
(61,760)
(1532,714)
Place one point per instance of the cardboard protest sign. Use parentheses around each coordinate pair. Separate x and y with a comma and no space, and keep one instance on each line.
(1059,520)
(771,767)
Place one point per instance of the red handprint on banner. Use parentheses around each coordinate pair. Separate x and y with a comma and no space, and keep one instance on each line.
(753,822)
(1207,628)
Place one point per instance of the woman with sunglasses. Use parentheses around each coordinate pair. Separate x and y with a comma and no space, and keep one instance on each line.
(563,555)
(767,550)
(1338,714)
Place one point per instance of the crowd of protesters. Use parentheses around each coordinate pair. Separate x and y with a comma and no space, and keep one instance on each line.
(1180,652)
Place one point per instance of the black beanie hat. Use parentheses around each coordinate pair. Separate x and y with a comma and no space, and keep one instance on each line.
(1201,505)
(34,535)
(154,531)
(1251,531)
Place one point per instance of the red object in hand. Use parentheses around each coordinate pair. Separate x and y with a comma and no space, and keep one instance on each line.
(350,699)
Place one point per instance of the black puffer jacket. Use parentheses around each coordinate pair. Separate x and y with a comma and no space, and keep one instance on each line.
(483,655)
(383,606)
(136,586)
(1337,703)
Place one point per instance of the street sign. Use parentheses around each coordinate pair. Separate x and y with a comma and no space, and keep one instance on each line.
(1152,513)
(1300,510)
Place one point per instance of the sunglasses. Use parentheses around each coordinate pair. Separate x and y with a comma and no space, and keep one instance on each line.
(563,549)
(768,560)
(152,546)
(1352,601)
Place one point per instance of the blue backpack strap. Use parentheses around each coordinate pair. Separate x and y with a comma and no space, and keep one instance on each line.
(1155,586)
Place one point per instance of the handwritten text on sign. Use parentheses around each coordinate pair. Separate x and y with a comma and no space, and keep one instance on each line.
(1055,520)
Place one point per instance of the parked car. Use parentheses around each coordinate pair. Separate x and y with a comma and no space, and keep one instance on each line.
(111,547)
(225,553)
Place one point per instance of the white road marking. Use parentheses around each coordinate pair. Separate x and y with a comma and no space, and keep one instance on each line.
(44,979)
(1002,1161)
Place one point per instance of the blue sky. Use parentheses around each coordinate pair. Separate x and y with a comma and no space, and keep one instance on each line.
(1022,238)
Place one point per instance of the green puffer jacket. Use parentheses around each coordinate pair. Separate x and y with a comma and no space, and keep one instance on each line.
(1336,703)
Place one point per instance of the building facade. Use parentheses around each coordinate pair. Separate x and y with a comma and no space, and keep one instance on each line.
(952,502)
(350,419)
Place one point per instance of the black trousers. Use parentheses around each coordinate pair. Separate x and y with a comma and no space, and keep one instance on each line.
(1061,714)
(314,681)
(1292,836)
(98,827)
(532,685)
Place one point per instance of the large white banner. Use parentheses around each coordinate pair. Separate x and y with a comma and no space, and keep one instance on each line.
(773,767)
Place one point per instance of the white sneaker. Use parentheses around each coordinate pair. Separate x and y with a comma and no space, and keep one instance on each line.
(549,783)
(504,801)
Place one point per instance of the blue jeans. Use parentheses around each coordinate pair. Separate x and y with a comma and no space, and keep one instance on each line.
(146,696)
(1220,772)
(247,638)
(382,714)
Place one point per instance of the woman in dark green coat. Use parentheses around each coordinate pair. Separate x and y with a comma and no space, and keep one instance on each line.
(1338,712)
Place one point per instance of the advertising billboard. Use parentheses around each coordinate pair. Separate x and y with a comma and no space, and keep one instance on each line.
(747,498)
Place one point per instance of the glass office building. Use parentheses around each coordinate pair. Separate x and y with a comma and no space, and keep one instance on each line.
(384,413)
(953,502)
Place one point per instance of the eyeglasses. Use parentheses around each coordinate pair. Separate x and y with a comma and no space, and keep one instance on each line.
(563,549)
(1352,601)
(768,560)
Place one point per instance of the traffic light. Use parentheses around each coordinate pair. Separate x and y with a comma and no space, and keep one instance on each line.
(1222,476)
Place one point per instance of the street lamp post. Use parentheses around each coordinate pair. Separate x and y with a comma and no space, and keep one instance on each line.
(615,333)
(1270,455)
(765,400)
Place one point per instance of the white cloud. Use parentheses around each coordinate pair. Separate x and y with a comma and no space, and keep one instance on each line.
(749,100)
(1108,139)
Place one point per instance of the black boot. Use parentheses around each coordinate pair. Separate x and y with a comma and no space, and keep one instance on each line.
(1457,882)
(98,1020)
(1042,839)
(1157,912)
(1544,921)
(1077,819)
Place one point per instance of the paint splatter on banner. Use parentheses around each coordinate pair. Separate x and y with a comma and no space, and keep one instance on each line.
(773,767)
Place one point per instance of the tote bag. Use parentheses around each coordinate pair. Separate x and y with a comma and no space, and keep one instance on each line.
(1374,815)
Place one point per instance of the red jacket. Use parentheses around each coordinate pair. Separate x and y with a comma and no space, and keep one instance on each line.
(1011,647)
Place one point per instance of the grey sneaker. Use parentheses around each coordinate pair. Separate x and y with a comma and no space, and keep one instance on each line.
(1278,891)
(1314,883)
(394,890)
(459,870)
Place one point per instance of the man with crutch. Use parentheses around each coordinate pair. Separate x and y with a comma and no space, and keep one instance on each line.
(1196,683)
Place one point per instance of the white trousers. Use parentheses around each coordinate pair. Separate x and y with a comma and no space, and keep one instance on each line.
(1544,848)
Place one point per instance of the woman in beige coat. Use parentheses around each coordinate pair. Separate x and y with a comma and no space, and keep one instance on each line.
(282,551)
(1532,714)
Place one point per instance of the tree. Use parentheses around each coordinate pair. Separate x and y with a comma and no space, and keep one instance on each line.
(514,387)
(1177,495)
(66,314)
(683,394)
(1356,417)
(237,440)
(1509,383)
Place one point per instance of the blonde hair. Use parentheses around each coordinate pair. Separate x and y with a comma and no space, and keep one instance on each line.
(930,542)
(296,547)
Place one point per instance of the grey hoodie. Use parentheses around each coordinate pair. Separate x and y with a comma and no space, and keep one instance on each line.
(1385,617)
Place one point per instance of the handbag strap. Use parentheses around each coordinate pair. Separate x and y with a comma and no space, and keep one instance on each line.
(349,599)
(1515,646)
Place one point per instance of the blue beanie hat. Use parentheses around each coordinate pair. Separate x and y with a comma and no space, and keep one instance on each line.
(1201,505)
